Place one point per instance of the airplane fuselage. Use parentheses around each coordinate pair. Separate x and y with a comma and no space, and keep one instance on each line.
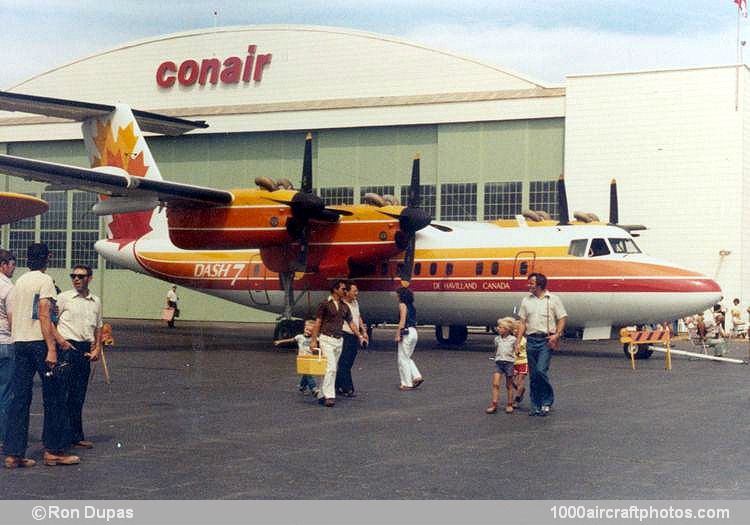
(471,275)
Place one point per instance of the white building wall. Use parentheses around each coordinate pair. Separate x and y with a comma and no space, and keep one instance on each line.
(674,142)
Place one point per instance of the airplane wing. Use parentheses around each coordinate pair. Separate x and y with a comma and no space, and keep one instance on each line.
(16,206)
(80,111)
(114,182)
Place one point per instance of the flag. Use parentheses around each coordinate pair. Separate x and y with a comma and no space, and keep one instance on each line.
(742,7)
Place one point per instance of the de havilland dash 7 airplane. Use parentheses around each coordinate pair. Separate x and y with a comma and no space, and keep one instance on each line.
(277,249)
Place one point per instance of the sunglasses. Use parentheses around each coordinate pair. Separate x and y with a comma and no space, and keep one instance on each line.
(78,275)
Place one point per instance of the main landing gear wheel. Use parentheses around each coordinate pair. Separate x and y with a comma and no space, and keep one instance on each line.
(457,334)
(643,351)
(288,328)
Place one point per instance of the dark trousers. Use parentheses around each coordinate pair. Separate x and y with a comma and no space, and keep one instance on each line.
(346,362)
(77,383)
(30,358)
(540,388)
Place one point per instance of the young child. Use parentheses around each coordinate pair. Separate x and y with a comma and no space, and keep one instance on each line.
(306,382)
(520,369)
(505,355)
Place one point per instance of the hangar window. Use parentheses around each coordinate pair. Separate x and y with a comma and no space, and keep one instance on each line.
(426,198)
(54,226)
(598,248)
(495,269)
(379,190)
(433,268)
(449,269)
(458,202)
(578,247)
(85,230)
(480,268)
(624,246)
(340,195)
(543,197)
(21,235)
(502,200)
(417,268)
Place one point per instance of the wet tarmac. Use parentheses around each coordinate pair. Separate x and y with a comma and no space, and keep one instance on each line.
(212,411)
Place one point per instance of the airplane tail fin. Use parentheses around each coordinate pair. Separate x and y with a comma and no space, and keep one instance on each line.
(115,140)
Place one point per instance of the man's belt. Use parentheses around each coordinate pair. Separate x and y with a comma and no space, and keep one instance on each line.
(537,336)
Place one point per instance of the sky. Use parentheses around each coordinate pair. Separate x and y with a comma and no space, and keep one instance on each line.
(543,40)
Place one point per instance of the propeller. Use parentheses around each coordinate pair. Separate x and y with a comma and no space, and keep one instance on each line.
(562,200)
(305,205)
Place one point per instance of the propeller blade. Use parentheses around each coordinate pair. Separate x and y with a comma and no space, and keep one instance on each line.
(414,190)
(307,177)
(408,267)
(562,201)
(614,213)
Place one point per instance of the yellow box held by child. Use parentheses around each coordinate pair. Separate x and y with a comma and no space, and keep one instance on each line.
(311,365)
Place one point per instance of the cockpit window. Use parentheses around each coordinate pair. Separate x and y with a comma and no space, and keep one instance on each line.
(578,247)
(624,246)
(598,248)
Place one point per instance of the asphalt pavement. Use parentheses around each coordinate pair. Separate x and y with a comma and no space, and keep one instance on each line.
(212,411)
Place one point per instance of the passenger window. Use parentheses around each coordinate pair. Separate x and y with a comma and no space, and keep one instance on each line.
(598,248)
(384,268)
(433,268)
(523,268)
(480,268)
(578,247)
(417,268)
(495,268)
(256,270)
(399,268)
(449,269)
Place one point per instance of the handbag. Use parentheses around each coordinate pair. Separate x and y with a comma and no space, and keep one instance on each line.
(312,365)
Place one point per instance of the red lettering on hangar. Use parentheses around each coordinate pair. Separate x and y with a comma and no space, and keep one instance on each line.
(213,71)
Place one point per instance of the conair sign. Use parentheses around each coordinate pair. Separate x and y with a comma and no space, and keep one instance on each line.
(231,71)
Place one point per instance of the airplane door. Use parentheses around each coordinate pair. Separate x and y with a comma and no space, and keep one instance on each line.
(257,278)
(523,265)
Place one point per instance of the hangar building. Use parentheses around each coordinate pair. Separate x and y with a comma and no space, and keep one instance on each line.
(492,142)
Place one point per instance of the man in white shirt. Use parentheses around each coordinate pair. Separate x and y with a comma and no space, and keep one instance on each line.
(542,322)
(35,341)
(172,301)
(7,356)
(80,324)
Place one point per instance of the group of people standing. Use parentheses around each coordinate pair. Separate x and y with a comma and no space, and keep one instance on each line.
(339,330)
(56,335)
(523,346)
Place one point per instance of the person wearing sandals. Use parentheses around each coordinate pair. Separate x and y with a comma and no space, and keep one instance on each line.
(406,337)
(505,355)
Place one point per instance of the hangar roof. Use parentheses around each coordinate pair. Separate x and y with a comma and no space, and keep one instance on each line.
(354,78)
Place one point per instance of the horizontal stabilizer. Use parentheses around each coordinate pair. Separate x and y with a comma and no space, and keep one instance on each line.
(80,111)
(112,183)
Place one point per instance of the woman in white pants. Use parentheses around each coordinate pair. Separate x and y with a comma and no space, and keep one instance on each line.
(406,337)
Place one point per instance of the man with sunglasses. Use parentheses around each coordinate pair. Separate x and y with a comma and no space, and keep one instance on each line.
(35,344)
(81,325)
